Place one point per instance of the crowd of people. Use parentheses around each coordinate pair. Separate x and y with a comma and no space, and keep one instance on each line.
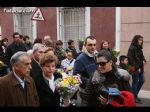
(29,75)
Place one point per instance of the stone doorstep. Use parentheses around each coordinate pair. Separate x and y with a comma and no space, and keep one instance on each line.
(144,94)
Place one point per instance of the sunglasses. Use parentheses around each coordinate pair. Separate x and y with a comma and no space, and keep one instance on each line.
(102,63)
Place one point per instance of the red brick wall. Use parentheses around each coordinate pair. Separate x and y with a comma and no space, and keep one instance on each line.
(7,24)
(49,26)
(103,24)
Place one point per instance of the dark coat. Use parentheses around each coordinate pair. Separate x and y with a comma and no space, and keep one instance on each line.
(98,82)
(28,45)
(12,93)
(12,49)
(135,56)
(46,95)
(36,69)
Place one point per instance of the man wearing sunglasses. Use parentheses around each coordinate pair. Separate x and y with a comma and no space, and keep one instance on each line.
(105,76)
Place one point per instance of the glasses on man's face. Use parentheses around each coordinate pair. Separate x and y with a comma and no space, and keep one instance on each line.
(91,44)
(102,63)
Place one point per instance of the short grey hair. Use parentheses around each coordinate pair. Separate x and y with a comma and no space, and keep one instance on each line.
(17,57)
(37,46)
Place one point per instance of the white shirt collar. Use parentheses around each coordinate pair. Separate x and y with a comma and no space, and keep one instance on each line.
(51,82)
(22,82)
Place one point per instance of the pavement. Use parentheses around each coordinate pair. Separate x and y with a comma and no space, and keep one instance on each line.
(144,95)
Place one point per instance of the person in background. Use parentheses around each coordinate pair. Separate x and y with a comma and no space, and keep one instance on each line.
(49,50)
(59,52)
(38,52)
(80,47)
(68,63)
(105,45)
(106,75)
(85,64)
(18,88)
(137,59)
(71,47)
(3,67)
(4,44)
(21,39)
(27,42)
(37,40)
(14,47)
(48,41)
(45,85)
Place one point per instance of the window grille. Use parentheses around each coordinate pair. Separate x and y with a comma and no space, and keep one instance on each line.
(71,24)
(23,23)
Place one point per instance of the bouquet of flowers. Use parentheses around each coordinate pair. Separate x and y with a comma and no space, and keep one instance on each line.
(67,87)
(62,72)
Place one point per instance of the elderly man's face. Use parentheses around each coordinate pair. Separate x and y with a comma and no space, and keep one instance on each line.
(23,67)
(104,66)
(39,53)
(91,46)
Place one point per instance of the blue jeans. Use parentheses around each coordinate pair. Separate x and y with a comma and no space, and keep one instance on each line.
(138,80)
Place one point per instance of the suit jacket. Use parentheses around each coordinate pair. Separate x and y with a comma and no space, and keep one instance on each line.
(46,95)
(36,69)
(12,93)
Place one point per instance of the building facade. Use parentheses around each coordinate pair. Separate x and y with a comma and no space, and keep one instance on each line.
(118,25)
(62,23)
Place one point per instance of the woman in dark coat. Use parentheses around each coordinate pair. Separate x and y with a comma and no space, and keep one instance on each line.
(45,85)
(106,75)
(136,59)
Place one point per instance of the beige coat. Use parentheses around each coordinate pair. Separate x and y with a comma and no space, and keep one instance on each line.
(12,94)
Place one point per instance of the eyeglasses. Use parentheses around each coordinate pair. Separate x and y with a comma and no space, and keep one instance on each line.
(102,63)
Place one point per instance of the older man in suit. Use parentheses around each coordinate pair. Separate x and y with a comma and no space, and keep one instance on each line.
(38,52)
(18,88)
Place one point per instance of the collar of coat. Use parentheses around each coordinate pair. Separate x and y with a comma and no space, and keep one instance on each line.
(16,82)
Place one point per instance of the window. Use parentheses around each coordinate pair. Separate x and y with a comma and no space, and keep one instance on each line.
(71,24)
(23,23)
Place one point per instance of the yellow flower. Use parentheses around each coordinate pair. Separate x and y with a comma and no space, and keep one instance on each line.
(69,68)
(1,63)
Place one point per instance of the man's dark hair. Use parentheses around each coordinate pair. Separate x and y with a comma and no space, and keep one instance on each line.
(59,42)
(21,36)
(25,37)
(15,33)
(70,42)
(89,37)
(122,58)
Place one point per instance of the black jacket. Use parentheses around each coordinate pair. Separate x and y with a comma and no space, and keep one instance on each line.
(100,81)
(46,96)
(36,69)
(135,56)
(12,49)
